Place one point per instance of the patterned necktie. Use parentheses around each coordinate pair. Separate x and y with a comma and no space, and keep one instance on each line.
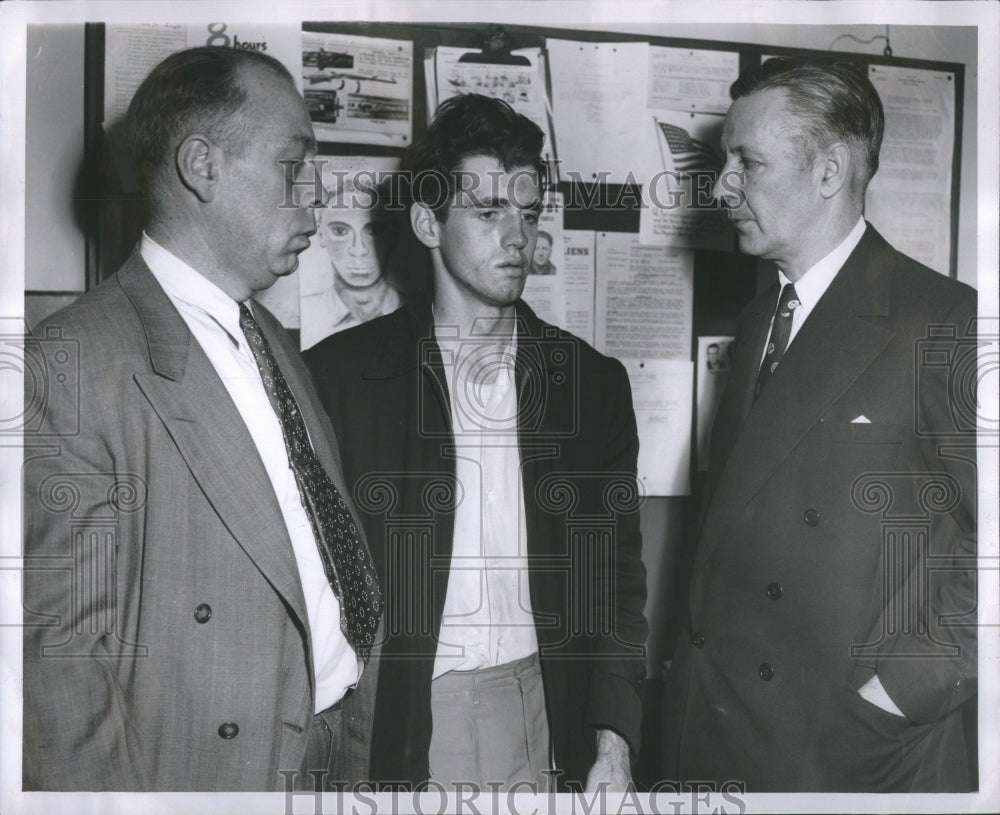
(347,563)
(781,329)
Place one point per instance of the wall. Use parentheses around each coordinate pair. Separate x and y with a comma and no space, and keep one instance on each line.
(54,243)
(55,247)
(937,43)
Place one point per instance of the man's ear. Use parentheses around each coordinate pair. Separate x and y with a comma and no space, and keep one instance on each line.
(425,225)
(198,166)
(837,168)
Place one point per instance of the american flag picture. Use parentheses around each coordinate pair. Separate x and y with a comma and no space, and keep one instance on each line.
(688,153)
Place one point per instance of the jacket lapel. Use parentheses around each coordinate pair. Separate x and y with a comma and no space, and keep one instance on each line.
(191,401)
(410,365)
(409,361)
(545,412)
(833,347)
(737,399)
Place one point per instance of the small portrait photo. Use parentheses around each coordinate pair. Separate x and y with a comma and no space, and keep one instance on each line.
(717,357)
(541,261)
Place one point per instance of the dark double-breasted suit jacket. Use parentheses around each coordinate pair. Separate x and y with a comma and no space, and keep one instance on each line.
(838,541)
(385,388)
(167,645)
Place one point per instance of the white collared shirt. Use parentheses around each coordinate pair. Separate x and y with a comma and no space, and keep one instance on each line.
(814,283)
(214,320)
(487,611)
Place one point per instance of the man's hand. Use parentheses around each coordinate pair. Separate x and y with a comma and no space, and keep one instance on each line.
(611,767)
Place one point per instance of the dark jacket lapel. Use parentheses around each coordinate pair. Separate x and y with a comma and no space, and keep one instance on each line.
(410,367)
(833,347)
(737,398)
(545,382)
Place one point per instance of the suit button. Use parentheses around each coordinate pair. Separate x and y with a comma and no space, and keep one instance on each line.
(811,517)
(228,730)
(698,640)
(765,672)
(203,613)
(774,591)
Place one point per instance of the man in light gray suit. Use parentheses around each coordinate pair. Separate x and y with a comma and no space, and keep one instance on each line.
(199,605)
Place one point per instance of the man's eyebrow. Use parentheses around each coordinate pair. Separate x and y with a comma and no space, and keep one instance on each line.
(300,140)
(502,202)
(486,201)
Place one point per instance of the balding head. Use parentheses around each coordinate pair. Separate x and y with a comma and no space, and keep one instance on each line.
(198,90)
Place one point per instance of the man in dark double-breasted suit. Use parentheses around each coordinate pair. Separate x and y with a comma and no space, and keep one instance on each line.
(497,485)
(831,643)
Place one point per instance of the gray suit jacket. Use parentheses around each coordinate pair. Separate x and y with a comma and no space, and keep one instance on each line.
(167,645)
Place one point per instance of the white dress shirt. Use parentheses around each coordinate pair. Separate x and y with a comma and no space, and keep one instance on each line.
(214,320)
(814,283)
(487,610)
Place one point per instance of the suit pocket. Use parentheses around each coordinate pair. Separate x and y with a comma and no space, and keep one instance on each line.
(867,749)
(859,432)
(874,717)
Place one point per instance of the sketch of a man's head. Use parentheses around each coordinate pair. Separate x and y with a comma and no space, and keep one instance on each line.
(352,230)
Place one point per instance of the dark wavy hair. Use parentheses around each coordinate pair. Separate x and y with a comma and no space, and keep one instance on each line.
(834,100)
(464,126)
(195,90)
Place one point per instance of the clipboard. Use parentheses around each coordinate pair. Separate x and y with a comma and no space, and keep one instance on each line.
(496,50)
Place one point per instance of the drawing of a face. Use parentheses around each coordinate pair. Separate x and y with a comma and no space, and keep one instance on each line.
(350,237)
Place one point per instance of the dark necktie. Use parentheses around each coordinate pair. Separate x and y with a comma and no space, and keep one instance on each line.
(347,563)
(781,329)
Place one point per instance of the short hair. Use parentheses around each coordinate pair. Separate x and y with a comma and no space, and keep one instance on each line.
(546,235)
(345,194)
(194,90)
(835,101)
(464,126)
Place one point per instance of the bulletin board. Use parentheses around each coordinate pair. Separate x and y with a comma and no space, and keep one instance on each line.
(664,287)
(601,218)
(591,211)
